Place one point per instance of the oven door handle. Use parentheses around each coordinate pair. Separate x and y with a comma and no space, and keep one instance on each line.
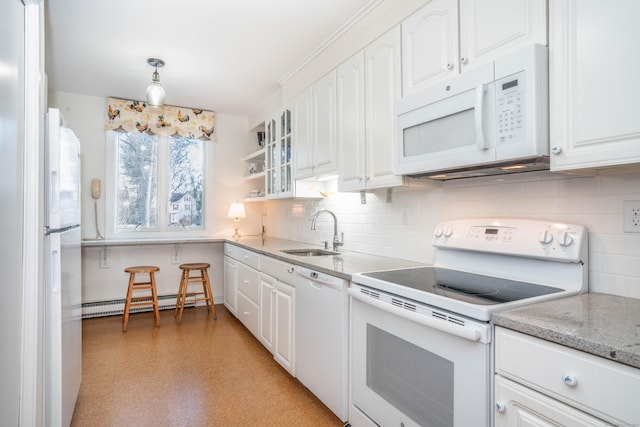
(450,328)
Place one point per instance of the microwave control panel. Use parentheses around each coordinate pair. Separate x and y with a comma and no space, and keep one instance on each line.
(510,108)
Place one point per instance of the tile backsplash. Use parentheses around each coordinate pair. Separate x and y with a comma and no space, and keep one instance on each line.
(400,224)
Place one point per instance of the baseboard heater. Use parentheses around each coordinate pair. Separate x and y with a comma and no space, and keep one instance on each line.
(116,307)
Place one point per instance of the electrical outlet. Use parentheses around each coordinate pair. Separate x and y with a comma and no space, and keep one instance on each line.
(631,216)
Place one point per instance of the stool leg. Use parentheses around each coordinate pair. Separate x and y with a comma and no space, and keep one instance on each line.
(207,292)
(127,304)
(154,297)
(183,299)
(179,295)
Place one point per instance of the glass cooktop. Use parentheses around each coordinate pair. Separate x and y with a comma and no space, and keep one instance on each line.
(463,286)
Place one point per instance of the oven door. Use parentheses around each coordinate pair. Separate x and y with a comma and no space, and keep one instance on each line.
(406,373)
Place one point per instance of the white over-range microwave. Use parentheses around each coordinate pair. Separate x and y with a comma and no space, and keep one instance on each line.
(490,120)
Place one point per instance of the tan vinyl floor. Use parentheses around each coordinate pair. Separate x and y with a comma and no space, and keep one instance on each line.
(204,372)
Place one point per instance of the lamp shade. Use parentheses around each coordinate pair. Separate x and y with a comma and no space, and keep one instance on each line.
(155,94)
(155,91)
(236,210)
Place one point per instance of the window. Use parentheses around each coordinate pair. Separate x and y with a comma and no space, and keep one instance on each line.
(158,184)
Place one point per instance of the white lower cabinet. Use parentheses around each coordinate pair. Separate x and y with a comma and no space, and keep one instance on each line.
(260,292)
(249,298)
(249,314)
(267,308)
(231,285)
(539,383)
(277,305)
(521,406)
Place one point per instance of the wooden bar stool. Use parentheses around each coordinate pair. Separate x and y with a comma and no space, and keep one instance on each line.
(140,286)
(186,280)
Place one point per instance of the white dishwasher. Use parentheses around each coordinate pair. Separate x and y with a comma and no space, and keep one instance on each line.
(322,338)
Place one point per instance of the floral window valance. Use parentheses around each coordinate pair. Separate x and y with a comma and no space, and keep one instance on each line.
(125,115)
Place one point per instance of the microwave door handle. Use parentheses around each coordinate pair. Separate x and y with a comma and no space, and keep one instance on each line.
(481,143)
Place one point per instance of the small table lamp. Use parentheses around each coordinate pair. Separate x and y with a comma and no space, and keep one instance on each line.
(236,211)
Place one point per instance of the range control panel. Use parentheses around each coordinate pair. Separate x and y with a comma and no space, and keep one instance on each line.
(518,237)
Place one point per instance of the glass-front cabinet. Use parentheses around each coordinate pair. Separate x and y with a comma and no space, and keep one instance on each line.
(271,156)
(278,167)
(285,152)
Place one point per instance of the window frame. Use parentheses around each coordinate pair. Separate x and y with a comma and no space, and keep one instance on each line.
(163,230)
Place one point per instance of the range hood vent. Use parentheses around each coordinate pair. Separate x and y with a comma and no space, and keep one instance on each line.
(500,168)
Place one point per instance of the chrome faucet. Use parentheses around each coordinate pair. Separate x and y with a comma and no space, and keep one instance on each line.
(336,240)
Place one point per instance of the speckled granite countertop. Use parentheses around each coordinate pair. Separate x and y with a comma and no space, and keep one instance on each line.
(604,325)
(342,265)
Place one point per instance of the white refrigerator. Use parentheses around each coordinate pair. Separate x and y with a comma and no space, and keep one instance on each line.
(63,318)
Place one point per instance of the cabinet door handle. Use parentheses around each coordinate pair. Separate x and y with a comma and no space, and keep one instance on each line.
(449,66)
(290,270)
(500,407)
(464,60)
(570,380)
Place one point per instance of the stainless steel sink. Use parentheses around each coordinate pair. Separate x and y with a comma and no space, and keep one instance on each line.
(309,252)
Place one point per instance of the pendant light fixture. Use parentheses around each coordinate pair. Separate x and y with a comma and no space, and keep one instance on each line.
(155,91)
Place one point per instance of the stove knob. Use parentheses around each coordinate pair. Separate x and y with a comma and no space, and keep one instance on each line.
(438,232)
(565,239)
(448,232)
(546,237)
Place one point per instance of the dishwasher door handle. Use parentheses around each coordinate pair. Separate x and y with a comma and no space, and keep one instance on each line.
(315,285)
(460,331)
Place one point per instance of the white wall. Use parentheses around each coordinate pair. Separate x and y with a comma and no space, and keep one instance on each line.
(403,228)
(85,115)
(110,283)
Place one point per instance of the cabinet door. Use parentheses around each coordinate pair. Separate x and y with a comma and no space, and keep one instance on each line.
(324,125)
(230,285)
(249,282)
(267,307)
(350,123)
(382,90)
(492,28)
(271,156)
(285,155)
(303,125)
(249,314)
(429,45)
(520,406)
(284,326)
(594,93)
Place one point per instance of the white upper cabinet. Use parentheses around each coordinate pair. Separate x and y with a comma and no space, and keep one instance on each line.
(324,125)
(278,156)
(350,123)
(436,47)
(594,91)
(430,45)
(382,72)
(303,124)
(492,28)
(368,87)
(315,126)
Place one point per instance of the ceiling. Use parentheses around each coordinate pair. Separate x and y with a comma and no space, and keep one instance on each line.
(222,55)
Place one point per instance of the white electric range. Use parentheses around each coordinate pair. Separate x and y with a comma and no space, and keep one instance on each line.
(420,337)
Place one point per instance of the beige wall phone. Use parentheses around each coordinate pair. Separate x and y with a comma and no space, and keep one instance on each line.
(95,194)
(95,188)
